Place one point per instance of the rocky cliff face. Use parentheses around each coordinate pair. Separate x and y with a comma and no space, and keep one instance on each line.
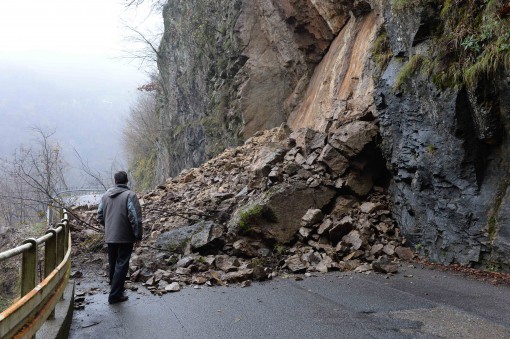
(232,68)
(447,146)
(438,92)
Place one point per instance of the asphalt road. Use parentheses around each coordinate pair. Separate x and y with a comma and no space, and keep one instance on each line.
(416,303)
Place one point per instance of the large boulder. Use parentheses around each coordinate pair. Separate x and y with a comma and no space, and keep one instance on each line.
(277,214)
(208,237)
(266,157)
(351,139)
(307,140)
(334,160)
(194,237)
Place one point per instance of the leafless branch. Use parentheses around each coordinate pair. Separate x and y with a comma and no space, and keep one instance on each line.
(142,38)
(94,174)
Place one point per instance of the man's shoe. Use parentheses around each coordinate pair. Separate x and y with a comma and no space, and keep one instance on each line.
(118,300)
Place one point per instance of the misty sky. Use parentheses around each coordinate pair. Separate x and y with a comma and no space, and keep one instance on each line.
(52,32)
(63,67)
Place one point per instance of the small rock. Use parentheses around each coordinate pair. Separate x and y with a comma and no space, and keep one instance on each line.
(173,287)
(300,160)
(305,232)
(295,264)
(241,275)
(226,263)
(242,192)
(404,253)
(343,204)
(275,176)
(312,216)
(363,268)
(79,299)
(312,258)
(311,158)
(162,284)
(183,271)
(246,283)
(354,238)
(376,249)
(325,226)
(368,207)
(385,266)
(199,280)
(389,249)
(150,281)
(76,274)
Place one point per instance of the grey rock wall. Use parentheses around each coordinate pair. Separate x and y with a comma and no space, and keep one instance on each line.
(448,154)
(199,57)
(231,68)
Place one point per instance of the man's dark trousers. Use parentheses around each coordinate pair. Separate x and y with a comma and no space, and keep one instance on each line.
(118,258)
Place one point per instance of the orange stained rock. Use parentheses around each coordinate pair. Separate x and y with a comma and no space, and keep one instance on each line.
(342,83)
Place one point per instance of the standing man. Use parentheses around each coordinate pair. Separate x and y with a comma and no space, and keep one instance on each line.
(120,213)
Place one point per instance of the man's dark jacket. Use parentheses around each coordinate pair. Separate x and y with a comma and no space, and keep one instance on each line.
(120,212)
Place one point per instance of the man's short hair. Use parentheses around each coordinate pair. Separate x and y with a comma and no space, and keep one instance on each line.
(120,177)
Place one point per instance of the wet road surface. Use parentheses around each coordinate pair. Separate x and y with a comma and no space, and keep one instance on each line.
(416,303)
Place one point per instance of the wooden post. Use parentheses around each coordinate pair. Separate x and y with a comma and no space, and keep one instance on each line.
(61,244)
(65,222)
(29,267)
(50,259)
(50,253)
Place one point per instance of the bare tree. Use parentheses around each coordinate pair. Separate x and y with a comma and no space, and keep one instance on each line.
(142,34)
(144,47)
(155,4)
(41,167)
(32,178)
(97,177)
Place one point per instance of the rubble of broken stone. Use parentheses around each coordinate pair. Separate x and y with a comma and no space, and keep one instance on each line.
(304,202)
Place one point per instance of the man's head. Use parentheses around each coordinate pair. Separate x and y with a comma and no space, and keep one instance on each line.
(120,178)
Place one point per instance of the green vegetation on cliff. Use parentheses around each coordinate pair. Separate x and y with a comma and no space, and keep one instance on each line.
(471,42)
(381,51)
(475,42)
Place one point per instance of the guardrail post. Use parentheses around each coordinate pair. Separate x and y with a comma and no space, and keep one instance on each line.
(50,253)
(50,259)
(29,267)
(65,222)
(61,243)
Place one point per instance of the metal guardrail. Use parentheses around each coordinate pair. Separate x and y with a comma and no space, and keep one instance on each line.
(37,303)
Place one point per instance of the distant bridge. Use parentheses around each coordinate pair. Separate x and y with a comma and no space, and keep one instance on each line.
(82,196)
(76,191)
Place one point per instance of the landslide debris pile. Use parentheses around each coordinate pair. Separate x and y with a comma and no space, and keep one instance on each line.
(308,202)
